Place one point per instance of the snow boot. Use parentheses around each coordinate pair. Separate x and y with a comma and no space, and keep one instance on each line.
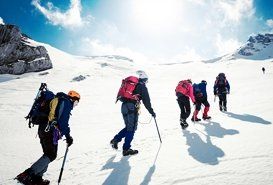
(183,123)
(114,144)
(129,152)
(38,180)
(206,117)
(195,119)
(24,177)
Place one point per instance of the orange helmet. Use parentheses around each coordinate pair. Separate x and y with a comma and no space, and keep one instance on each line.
(74,95)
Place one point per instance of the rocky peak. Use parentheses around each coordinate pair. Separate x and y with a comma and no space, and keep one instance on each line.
(18,55)
(259,46)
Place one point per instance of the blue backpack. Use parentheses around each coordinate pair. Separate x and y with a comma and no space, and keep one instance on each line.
(197,91)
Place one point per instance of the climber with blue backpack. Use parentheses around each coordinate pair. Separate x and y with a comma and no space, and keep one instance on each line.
(200,94)
(221,88)
(51,113)
(133,90)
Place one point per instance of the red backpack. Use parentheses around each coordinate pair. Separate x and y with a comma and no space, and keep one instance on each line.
(183,87)
(128,85)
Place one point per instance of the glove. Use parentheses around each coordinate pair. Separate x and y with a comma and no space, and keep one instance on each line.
(153,114)
(69,140)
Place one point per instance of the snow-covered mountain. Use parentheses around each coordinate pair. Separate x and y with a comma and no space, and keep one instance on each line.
(235,147)
(257,47)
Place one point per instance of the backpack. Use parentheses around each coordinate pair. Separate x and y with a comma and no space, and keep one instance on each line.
(126,89)
(221,80)
(197,91)
(183,87)
(40,108)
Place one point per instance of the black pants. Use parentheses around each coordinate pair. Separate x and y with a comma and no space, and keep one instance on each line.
(38,168)
(46,140)
(200,101)
(185,106)
(222,100)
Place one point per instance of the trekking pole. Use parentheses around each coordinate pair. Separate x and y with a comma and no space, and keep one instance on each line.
(157,130)
(62,169)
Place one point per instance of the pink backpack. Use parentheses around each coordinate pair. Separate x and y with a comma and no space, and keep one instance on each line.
(128,85)
(183,87)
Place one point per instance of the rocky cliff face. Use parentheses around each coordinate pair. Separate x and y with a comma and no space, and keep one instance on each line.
(18,55)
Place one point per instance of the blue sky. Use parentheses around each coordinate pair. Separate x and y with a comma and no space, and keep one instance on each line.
(172,30)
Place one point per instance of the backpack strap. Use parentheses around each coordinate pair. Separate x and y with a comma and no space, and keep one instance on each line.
(53,105)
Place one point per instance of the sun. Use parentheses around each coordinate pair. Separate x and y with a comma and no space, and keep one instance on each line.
(156,15)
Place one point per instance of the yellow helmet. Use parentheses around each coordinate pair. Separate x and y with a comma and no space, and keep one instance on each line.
(74,95)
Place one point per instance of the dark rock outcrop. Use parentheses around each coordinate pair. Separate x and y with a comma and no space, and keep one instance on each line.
(17,55)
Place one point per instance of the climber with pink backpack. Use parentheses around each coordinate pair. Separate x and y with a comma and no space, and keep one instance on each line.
(132,91)
(184,92)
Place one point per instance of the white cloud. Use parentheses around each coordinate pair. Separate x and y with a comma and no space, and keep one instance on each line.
(1,21)
(225,46)
(188,55)
(235,10)
(69,19)
(269,23)
(96,47)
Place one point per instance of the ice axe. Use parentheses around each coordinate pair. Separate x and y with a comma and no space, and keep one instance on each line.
(157,130)
(62,169)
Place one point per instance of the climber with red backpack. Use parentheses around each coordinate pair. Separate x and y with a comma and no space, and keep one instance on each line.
(184,91)
(221,88)
(132,91)
(51,113)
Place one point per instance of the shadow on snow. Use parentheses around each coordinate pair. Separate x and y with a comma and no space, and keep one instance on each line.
(120,172)
(204,152)
(248,118)
(148,176)
(215,129)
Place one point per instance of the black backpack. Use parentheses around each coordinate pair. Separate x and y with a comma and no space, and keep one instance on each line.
(40,108)
(221,80)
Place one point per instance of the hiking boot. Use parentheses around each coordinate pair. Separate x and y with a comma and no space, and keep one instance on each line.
(38,180)
(195,119)
(114,144)
(183,123)
(129,152)
(206,117)
(24,177)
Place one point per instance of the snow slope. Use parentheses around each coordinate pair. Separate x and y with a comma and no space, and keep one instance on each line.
(235,147)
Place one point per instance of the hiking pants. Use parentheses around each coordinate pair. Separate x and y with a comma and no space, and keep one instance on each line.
(130,117)
(201,101)
(49,151)
(223,100)
(185,106)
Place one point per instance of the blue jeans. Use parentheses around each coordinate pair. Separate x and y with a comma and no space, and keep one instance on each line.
(130,117)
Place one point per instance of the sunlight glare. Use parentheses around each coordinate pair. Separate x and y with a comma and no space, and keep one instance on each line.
(152,15)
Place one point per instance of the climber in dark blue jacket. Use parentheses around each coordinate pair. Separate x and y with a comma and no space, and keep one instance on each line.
(200,94)
(129,110)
